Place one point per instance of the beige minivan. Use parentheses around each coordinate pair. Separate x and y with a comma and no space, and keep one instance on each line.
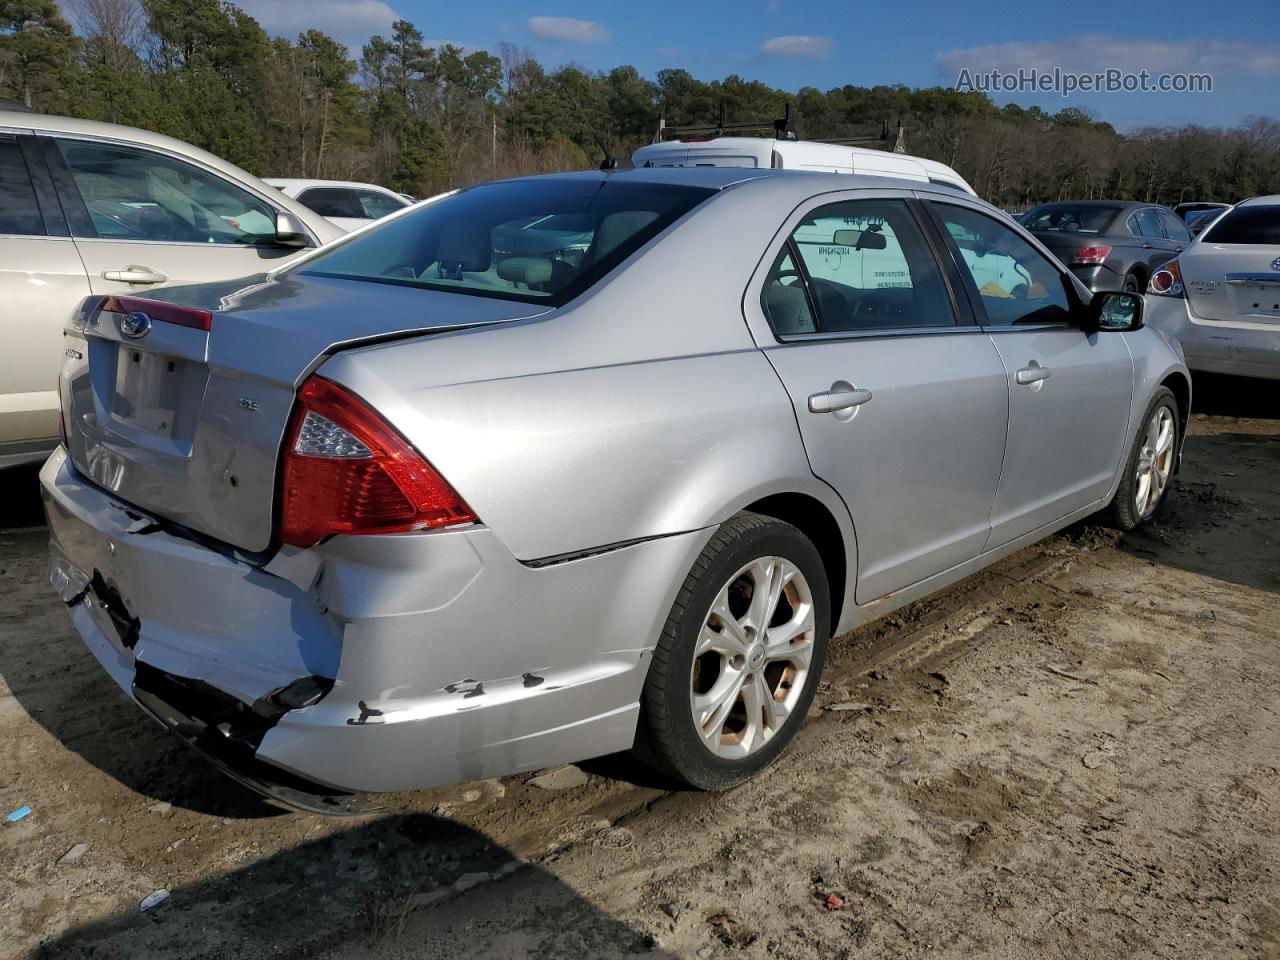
(95,208)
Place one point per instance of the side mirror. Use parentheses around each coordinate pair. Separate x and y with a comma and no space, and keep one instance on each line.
(290,231)
(1111,311)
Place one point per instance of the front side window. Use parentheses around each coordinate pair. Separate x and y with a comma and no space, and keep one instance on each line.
(19,213)
(1016,283)
(138,195)
(376,205)
(540,240)
(867,267)
(1251,224)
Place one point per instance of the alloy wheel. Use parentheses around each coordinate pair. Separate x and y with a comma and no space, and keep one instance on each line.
(1155,462)
(752,657)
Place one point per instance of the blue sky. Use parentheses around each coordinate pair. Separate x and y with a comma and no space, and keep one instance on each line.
(793,43)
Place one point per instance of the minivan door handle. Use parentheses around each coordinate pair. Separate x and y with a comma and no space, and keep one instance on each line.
(829,401)
(134,273)
(1032,374)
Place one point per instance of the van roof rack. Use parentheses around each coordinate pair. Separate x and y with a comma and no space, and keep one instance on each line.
(783,127)
(881,138)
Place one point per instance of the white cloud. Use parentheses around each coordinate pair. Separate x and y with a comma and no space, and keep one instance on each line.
(568,30)
(350,22)
(815,48)
(1092,53)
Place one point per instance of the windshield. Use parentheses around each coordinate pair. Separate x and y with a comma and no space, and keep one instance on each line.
(539,241)
(1260,224)
(1069,218)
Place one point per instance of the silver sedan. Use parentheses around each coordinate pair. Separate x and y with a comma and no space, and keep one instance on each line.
(559,467)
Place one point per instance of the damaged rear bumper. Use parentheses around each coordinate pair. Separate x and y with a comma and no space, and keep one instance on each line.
(366,663)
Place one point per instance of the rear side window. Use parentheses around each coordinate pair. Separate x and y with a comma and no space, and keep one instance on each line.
(1148,222)
(333,202)
(1174,228)
(19,214)
(539,241)
(867,267)
(1260,224)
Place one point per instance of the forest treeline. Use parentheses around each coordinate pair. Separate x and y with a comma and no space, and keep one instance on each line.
(425,119)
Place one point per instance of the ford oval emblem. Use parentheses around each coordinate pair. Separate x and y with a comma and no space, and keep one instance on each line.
(135,325)
(1275,264)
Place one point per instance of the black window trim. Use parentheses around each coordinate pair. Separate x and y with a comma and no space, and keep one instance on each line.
(14,138)
(962,318)
(971,288)
(46,197)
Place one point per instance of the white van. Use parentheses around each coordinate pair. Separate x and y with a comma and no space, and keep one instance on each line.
(797,155)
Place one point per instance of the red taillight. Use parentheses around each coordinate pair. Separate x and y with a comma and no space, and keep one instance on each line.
(346,470)
(1167,281)
(1089,256)
(165,312)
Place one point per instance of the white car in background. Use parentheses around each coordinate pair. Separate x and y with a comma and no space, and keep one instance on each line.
(95,208)
(345,203)
(1221,296)
(812,155)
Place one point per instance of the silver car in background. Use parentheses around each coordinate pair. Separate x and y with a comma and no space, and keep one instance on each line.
(424,508)
(1221,297)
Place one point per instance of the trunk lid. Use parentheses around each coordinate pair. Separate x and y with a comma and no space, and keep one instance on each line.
(186,423)
(1233,281)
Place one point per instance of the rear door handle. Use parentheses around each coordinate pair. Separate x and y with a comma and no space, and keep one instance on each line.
(1032,374)
(829,401)
(1148,246)
(134,273)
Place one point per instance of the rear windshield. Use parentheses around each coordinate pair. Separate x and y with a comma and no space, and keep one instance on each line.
(539,241)
(1069,219)
(1260,224)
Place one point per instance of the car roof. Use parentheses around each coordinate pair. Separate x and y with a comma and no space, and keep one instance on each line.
(1269,199)
(1096,204)
(801,182)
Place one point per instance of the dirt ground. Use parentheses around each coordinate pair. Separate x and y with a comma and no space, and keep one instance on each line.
(1074,754)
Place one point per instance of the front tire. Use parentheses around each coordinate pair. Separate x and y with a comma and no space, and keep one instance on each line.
(1149,469)
(736,667)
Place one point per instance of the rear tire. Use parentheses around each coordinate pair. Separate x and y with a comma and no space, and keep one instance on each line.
(1149,470)
(736,667)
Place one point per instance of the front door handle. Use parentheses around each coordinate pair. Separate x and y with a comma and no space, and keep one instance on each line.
(1032,374)
(134,273)
(829,401)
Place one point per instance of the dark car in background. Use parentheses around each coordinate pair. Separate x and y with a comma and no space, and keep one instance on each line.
(1109,244)
(1193,209)
(1197,220)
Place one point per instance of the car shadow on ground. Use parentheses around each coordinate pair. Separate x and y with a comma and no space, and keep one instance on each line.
(20,507)
(362,886)
(1222,511)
